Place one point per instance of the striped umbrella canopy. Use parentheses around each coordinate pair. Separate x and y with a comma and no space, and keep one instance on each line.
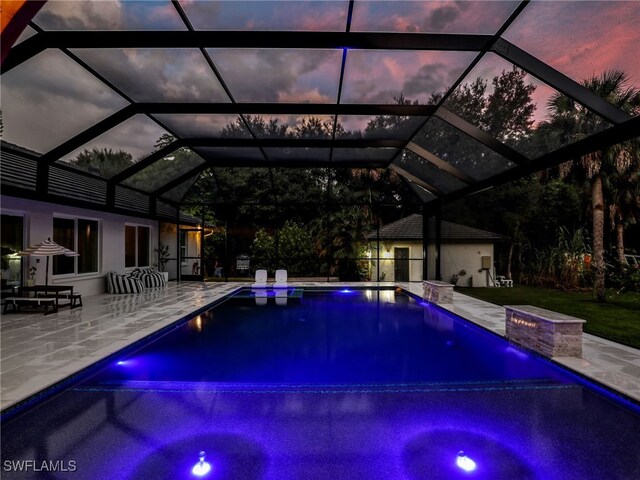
(48,248)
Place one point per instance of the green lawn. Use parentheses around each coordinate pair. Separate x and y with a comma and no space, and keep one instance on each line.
(617,320)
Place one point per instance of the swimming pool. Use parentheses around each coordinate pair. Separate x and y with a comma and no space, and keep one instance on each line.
(363,384)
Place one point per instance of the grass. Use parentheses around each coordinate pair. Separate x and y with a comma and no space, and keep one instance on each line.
(618,319)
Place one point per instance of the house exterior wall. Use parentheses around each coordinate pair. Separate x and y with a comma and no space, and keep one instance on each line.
(38,225)
(169,236)
(462,256)
(387,255)
(455,257)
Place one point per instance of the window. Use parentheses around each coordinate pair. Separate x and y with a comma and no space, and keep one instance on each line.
(81,236)
(136,246)
(87,246)
(11,242)
(183,247)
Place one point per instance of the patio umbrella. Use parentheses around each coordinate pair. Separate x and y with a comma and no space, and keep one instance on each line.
(48,248)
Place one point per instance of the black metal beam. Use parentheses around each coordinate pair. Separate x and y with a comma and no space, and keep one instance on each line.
(425,242)
(418,181)
(343,63)
(293,142)
(559,81)
(599,141)
(438,229)
(481,136)
(42,177)
(145,162)
(293,204)
(180,179)
(259,39)
(290,163)
(441,164)
(415,188)
(111,195)
(22,52)
(90,133)
(284,108)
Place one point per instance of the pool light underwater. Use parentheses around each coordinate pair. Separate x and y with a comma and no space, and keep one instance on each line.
(346,290)
(464,462)
(201,468)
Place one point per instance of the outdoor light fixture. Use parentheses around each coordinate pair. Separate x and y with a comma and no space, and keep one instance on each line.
(465,463)
(201,468)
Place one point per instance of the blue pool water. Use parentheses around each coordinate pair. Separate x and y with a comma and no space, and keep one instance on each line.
(329,385)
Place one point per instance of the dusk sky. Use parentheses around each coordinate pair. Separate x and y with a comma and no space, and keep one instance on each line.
(50,98)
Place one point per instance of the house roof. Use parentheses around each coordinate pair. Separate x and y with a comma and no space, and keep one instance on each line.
(410,228)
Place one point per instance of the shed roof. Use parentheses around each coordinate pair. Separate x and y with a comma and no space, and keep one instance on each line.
(410,228)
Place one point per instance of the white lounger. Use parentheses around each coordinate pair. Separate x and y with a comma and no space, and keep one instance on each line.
(260,280)
(281,279)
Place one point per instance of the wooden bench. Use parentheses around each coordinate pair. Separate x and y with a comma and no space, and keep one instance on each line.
(17,302)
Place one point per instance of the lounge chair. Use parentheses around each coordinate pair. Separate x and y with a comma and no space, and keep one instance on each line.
(260,296)
(260,280)
(281,297)
(281,279)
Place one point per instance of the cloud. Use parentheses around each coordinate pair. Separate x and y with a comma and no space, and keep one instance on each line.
(50,98)
(431,16)
(379,76)
(157,75)
(108,15)
(274,75)
(430,78)
(271,15)
(581,39)
(443,16)
(308,96)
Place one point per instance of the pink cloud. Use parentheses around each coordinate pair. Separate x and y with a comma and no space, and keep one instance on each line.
(308,96)
(431,16)
(379,76)
(581,39)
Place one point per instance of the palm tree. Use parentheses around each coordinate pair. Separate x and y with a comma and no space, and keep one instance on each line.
(570,122)
(624,208)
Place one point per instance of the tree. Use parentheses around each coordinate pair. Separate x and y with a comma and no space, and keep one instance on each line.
(104,162)
(571,121)
(509,110)
(624,207)
(506,113)
(263,250)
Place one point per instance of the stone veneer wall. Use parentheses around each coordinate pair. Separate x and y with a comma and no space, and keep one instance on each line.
(437,292)
(549,333)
